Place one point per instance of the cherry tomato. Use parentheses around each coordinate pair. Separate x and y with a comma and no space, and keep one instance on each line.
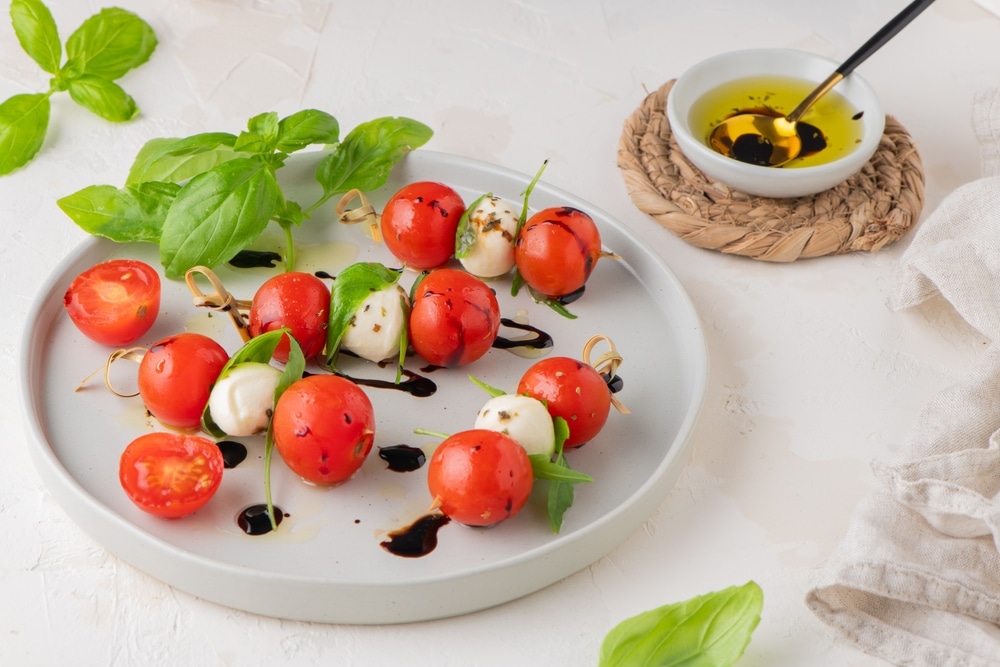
(298,301)
(115,302)
(480,477)
(170,474)
(324,426)
(454,319)
(556,250)
(176,376)
(419,223)
(572,390)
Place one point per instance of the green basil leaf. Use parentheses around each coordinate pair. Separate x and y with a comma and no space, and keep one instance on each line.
(37,32)
(104,98)
(466,233)
(133,213)
(260,136)
(489,389)
(294,369)
(24,119)
(561,493)
(110,43)
(217,214)
(544,468)
(352,286)
(306,128)
(711,630)
(560,499)
(368,153)
(291,213)
(177,160)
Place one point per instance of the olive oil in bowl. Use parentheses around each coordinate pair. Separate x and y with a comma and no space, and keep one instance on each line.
(830,129)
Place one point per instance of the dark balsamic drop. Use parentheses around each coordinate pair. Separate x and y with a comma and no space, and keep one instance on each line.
(415,385)
(233,453)
(753,149)
(402,458)
(812,139)
(541,340)
(566,299)
(254,520)
(418,539)
(255,259)
(615,383)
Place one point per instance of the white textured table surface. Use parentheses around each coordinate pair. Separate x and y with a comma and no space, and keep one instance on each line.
(812,375)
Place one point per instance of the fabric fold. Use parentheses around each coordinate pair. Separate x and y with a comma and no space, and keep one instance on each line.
(916,579)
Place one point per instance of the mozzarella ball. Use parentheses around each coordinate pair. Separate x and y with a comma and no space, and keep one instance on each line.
(495,222)
(242,402)
(375,330)
(523,418)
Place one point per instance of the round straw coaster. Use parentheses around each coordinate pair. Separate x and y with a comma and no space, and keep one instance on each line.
(868,211)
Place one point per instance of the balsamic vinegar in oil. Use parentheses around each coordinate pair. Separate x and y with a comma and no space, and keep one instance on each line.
(832,115)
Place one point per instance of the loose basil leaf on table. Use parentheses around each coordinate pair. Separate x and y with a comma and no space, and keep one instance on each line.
(711,630)
(133,213)
(37,32)
(105,98)
(217,214)
(24,120)
(110,43)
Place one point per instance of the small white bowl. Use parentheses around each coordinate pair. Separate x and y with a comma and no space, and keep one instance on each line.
(771,181)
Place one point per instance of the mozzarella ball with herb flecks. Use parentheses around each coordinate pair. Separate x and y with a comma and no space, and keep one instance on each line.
(375,331)
(523,418)
(493,222)
(241,403)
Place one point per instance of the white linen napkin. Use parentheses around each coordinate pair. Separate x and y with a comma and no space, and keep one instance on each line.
(916,579)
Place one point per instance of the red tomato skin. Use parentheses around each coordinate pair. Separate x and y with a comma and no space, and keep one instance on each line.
(299,301)
(480,477)
(556,250)
(419,224)
(170,475)
(455,318)
(324,427)
(114,302)
(572,390)
(176,375)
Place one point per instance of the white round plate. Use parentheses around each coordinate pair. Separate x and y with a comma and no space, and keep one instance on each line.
(325,563)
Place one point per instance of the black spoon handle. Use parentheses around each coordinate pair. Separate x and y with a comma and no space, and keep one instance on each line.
(888,31)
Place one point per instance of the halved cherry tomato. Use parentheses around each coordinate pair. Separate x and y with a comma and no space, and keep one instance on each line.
(454,319)
(480,477)
(114,302)
(556,250)
(324,427)
(298,301)
(572,390)
(176,376)
(419,223)
(170,474)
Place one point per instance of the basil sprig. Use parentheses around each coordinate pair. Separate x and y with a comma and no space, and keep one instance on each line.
(101,50)
(711,630)
(206,197)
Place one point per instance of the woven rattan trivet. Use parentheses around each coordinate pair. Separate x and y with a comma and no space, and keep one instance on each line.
(867,212)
